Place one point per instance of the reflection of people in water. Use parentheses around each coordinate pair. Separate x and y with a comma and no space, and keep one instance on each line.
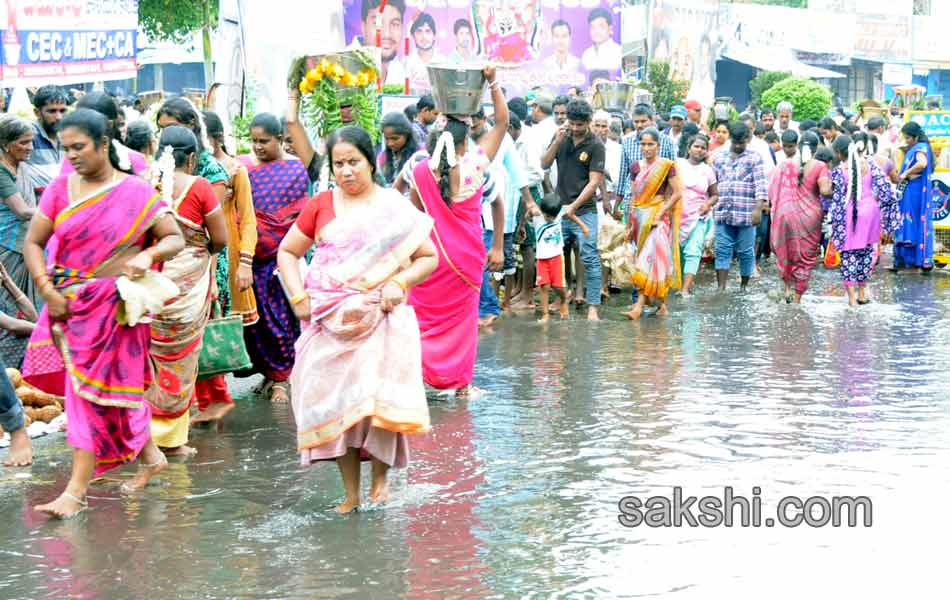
(562,59)
(605,53)
(392,71)
(463,41)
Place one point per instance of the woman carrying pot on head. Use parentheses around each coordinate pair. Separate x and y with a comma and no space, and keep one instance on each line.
(177,331)
(862,206)
(357,378)
(279,189)
(448,187)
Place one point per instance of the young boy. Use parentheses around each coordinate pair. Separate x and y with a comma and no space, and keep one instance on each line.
(549,253)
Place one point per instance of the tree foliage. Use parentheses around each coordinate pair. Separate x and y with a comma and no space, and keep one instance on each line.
(810,99)
(666,92)
(176,20)
(763,81)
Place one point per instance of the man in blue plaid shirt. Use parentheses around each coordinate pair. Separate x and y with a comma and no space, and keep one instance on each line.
(743,190)
(642,118)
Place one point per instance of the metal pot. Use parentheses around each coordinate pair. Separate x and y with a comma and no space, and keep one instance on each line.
(616,96)
(457,89)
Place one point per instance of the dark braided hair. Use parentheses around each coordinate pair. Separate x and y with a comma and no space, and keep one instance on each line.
(810,139)
(841,147)
(459,131)
(215,129)
(181,140)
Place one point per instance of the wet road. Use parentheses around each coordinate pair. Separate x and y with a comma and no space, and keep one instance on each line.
(515,494)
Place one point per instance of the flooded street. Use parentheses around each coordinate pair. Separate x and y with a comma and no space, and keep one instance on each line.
(515,493)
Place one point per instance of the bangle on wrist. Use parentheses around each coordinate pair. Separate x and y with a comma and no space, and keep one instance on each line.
(298,298)
(398,281)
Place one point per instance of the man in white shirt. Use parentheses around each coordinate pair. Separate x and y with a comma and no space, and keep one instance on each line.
(785,122)
(562,61)
(605,54)
(423,36)
(544,128)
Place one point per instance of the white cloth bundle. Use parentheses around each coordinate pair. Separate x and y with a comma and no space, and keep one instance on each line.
(145,296)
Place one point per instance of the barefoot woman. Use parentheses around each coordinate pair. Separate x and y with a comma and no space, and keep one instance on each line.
(105,223)
(357,379)
(448,187)
(653,220)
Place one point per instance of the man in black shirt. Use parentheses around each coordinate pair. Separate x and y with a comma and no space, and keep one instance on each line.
(580,168)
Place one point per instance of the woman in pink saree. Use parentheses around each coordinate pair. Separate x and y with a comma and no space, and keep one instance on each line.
(448,187)
(104,223)
(357,378)
(795,188)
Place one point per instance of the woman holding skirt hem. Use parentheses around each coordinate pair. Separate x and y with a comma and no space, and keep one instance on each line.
(357,377)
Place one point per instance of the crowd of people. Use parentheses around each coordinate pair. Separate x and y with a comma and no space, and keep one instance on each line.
(361,273)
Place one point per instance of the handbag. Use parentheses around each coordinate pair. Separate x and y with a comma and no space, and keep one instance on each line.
(832,257)
(222,345)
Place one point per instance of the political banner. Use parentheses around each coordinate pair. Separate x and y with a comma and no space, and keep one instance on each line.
(67,41)
(549,43)
(686,34)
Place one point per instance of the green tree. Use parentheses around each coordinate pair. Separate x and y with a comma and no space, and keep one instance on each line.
(810,99)
(176,20)
(763,81)
(666,92)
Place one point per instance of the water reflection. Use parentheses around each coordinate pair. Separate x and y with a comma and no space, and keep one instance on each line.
(514,493)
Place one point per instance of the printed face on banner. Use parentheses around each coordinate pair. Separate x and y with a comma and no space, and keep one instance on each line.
(536,43)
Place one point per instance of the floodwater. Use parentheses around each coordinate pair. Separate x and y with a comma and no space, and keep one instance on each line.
(514,494)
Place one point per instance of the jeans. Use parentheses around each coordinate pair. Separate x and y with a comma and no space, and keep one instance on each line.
(511,265)
(11,412)
(487,300)
(762,242)
(738,240)
(589,255)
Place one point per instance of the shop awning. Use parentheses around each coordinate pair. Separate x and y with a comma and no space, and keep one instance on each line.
(772,59)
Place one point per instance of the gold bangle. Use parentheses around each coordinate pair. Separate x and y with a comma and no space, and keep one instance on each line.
(400,283)
(298,298)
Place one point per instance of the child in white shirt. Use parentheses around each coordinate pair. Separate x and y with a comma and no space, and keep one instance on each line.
(549,254)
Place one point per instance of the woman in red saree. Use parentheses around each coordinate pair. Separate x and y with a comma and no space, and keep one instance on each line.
(357,380)
(177,331)
(447,187)
(794,193)
(104,223)
(279,190)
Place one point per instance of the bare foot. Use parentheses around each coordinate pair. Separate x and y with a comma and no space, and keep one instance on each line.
(634,313)
(379,491)
(185,451)
(544,319)
(565,311)
(662,311)
(64,507)
(347,506)
(592,313)
(215,412)
(463,392)
(21,449)
(523,305)
(487,321)
(151,463)
(280,392)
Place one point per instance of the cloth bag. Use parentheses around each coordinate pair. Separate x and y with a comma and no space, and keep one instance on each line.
(222,346)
